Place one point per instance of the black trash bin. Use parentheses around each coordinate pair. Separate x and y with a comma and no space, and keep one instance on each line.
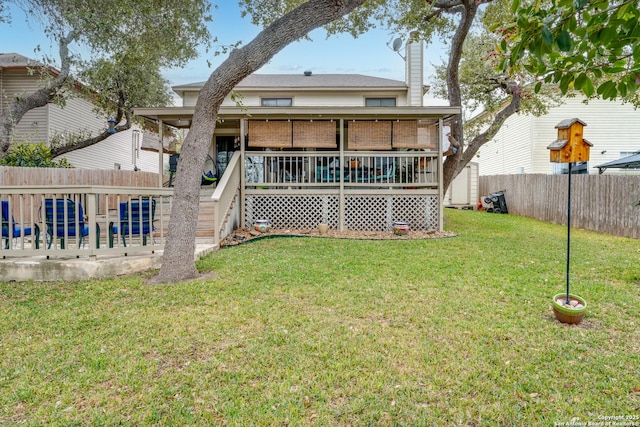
(497,202)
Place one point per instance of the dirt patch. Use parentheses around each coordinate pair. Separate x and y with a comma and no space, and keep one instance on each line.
(242,235)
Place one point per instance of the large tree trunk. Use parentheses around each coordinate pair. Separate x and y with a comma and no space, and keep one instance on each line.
(20,106)
(468,13)
(178,261)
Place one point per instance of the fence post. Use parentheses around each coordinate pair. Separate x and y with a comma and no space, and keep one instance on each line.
(92,223)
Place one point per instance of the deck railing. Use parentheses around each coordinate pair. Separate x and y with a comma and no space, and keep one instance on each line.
(83,221)
(299,170)
(356,190)
(225,198)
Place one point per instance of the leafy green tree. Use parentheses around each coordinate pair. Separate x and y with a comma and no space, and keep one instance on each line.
(26,154)
(178,260)
(589,46)
(499,93)
(469,76)
(129,43)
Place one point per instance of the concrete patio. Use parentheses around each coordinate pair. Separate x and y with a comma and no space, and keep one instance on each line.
(39,268)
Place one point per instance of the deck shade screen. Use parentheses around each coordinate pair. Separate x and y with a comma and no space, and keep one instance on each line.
(368,135)
(317,134)
(412,134)
(270,134)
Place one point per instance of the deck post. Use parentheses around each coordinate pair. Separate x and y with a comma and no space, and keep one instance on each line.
(440,177)
(160,153)
(92,221)
(341,202)
(242,173)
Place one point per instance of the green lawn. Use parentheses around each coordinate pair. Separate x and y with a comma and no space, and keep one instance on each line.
(310,331)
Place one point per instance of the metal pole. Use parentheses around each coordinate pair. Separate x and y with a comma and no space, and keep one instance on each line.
(568,230)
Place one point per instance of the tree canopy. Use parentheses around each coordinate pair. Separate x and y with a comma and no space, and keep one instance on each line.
(124,46)
(589,46)
(469,76)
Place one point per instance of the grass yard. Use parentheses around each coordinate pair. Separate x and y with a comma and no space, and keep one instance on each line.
(329,332)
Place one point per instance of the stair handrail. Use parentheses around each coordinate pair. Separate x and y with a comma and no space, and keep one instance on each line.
(225,195)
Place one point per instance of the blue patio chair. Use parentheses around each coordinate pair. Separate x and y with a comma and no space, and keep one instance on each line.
(66,220)
(136,219)
(11,230)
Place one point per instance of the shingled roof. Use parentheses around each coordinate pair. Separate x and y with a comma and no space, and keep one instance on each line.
(304,81)
(11,60)
(317,80)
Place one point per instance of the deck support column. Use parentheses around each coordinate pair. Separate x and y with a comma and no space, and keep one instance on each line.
(243,131)
(160,153)
(92,222)
(440,177)
(341,201)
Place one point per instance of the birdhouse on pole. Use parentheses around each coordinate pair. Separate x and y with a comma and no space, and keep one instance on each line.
(570,147)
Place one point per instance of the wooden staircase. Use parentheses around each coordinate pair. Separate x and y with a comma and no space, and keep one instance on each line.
(205,227)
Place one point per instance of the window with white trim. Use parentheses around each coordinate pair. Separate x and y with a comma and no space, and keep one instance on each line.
(379,102)
(276,102)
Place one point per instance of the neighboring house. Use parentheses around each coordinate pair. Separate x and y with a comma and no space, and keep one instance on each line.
(521,144)
(353,151)
(20,76)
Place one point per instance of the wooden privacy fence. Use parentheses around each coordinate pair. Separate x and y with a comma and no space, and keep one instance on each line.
(61,177)
(601,203)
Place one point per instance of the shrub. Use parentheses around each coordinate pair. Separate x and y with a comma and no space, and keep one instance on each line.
(26,154)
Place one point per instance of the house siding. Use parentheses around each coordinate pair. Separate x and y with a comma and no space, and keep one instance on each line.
(334,99)
(190,99)
(414,73)
(509,151)
(33,126)
(612,128)
(308,99)
(77,115)
(40,124)
(115,149)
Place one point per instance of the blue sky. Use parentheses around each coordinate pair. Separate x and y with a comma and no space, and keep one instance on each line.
(368,54)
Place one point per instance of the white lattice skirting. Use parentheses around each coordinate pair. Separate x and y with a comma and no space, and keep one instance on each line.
(367,212)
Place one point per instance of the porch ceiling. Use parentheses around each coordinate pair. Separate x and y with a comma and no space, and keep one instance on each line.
(181,117)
